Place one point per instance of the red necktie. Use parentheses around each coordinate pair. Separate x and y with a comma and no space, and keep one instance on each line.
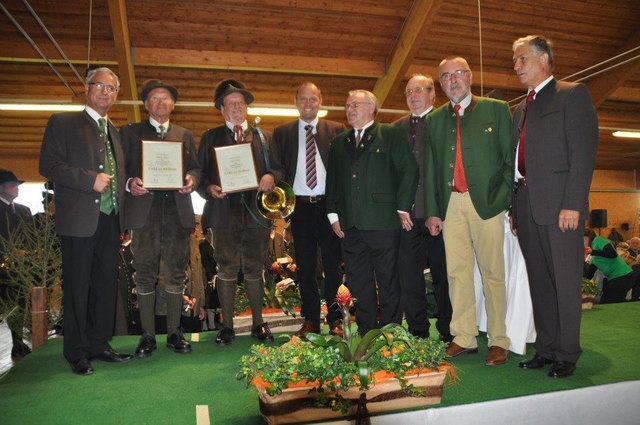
(237,130)
(523,133)
(310,157)
(459,179)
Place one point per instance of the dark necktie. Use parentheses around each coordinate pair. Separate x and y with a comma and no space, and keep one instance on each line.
(358,137)
(310,157)
(162,131)
(459,179)
(13,207)
(237,131)
(523,133)
(414,125)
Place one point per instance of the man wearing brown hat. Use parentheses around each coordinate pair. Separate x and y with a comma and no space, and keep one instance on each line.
(240,234)
(160,220)
(11,215)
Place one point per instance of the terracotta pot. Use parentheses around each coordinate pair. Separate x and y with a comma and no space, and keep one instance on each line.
(295,405)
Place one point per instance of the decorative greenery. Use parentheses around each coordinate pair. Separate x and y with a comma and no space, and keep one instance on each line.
(332,363)
(589,287)
(32,258)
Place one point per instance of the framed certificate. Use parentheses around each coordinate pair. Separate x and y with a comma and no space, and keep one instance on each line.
(236,167)
(162,164)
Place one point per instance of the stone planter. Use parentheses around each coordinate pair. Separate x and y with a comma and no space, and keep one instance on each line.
(296,405)
(587,301)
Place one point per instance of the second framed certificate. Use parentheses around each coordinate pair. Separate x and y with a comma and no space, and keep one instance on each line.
(236,167)
(162,164)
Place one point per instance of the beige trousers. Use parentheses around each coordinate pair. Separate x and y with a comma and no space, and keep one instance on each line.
(466,235)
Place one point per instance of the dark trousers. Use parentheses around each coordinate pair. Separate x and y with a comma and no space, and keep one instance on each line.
(311,229)
(89,275)
(418,249)
(370,262)
(615,290)
(554,262)
(160,250)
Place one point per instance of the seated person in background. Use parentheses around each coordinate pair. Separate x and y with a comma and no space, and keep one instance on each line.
(634,263)
(618,275)
(634,246)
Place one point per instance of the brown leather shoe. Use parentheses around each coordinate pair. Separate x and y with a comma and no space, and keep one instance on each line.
(496,356)
(335,329)
(307,326)
(454,350)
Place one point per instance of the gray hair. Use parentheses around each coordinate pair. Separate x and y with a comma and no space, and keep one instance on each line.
(92,73)
(538,45)
(367,95)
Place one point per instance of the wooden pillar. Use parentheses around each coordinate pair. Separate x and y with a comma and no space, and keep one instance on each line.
(39,326)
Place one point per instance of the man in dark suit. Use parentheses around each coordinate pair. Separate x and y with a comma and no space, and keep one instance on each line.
(554,149)
(240,234)
(11,216)
(160,220)
(82,155)
(467,190)
(418,248)
(299,154)
(371,182)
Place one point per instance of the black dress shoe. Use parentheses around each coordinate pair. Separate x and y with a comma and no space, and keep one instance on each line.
(536,362)
(146,346)
(81,367)
(446,338)
(262,333)
(177,343)
(225,336)
(109,355)
(562,369)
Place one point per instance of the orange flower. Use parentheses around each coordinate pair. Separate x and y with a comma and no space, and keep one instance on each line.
(343,297)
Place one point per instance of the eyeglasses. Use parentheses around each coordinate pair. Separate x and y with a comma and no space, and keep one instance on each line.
(355,105)
(417,90)
(458,73)
(101,86)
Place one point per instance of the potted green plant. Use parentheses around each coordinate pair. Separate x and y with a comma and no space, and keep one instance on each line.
(589,293)
(330,376)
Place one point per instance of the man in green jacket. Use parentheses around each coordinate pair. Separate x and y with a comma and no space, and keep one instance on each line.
(468,177)
(371,182)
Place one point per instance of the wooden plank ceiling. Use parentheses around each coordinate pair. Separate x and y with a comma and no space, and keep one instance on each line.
(273,45)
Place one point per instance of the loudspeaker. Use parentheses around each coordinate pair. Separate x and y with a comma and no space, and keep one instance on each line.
(598,218)
(624,226)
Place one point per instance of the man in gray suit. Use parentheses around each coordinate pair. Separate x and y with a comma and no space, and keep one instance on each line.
(81,154)
(161,220)
(299,155)
(417,246)
(555,140)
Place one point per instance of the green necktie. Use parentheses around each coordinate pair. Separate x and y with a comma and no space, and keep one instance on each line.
(162,132)
(109,199)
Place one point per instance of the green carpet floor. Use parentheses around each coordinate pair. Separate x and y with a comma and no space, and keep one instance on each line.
(165,388)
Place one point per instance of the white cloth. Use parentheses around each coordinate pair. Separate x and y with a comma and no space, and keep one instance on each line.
(520,326)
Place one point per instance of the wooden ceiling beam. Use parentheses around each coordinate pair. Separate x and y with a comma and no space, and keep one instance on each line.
(411,36)
(122,42)
(603,85)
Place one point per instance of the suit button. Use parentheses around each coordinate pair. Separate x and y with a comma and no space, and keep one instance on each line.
(449,184)
(101,167)
(101,150)
(453,148)
(354,176)
(450,165)
(97,201)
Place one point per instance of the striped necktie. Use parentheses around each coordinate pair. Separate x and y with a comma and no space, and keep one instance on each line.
(310,157)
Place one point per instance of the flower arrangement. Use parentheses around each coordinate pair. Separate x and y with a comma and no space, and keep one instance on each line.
(589,287)
(333,364)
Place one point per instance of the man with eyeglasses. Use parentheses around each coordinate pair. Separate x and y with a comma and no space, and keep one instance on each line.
(160,220)
(299,154)
(240,234)
(468,177)
(371,183)
(418,248)
(554,148)
(81,154)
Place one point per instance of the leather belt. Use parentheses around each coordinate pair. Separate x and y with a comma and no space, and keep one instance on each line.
(310,199)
